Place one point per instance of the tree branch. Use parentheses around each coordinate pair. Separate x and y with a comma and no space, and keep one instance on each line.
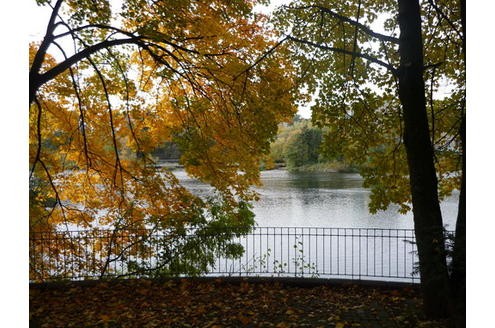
(40,79)
(81,111)
(38,135)
(40,54)
(261,57)
(362,27)
(354,46)
(346,52)
(444,16)
(118,164)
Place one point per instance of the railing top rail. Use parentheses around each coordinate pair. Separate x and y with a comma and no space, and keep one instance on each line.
(282,228)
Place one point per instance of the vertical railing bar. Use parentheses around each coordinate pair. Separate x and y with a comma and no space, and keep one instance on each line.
(268,254)
(352,252)
(281,248)
(253,252)
(324,250)
(331,253)
(374,252)
(397,238)
(381,251)
(317,262)
(72,258)
(260,235)
(42,257)
(338,251)
(288,250)
(124,255)
(64,271)
(346,256)
(405,254)
(367,250)
(295,255)
(360,254)
(274,250)
(247,253)
(345,252)
(309,241)
(413,252)
(78,254)
(389,251)
(67,258)
(240,257)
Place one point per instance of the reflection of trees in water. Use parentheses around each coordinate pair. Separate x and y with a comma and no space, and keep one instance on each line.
(324,180)
(323,199)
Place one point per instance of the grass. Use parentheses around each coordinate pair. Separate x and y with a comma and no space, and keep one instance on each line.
(325,167)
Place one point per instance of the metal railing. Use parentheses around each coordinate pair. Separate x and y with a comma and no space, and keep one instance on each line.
(352,253)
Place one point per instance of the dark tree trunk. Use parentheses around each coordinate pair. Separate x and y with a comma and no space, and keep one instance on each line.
(423,180)
(458,278)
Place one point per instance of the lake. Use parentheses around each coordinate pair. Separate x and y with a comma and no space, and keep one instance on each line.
(336,200)
(317,224)
(319,208)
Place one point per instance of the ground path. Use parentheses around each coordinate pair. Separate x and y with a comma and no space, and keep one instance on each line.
(224,303)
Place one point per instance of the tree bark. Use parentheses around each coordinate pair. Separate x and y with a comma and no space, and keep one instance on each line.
(428,224)
(458,277)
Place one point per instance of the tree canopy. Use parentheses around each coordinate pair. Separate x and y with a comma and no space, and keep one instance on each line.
(215,79)
(393,100)
(109,85)
(353,72)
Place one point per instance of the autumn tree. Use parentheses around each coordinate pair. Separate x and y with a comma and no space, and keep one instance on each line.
(107,86)
(393,102)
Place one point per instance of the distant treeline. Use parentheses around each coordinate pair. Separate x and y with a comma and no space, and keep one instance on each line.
(298,147)
(169,151)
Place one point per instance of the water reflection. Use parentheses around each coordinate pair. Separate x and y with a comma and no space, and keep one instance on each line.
(321,200)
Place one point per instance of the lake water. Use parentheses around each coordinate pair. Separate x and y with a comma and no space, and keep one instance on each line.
(336,200)
(378,246)
(318,224)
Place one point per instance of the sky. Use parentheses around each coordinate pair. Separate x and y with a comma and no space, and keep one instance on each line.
(20,22)
(38,18)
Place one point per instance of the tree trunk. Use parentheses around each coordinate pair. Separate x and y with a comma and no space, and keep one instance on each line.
(423,180)
(458,278)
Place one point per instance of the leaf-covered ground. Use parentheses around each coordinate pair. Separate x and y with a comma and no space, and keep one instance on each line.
(223,303)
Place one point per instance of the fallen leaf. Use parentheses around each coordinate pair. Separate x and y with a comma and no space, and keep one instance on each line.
(289,312)
(244,320)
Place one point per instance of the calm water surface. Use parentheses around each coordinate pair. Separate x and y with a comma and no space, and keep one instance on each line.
(336,200)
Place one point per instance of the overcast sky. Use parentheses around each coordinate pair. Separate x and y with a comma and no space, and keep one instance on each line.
(38,18)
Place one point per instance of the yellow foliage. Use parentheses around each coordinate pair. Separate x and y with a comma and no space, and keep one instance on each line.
(93,127)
